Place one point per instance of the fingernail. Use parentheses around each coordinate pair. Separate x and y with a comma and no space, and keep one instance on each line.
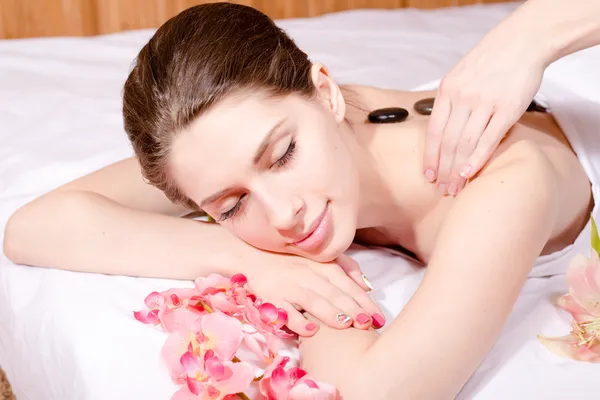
(442,188)
(453,189)
(464,172)
(367,282)
(430,175)
(378,320)
(362,318)
(342,318)
(311,326)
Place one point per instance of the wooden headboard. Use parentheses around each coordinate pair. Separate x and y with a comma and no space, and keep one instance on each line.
(34,18)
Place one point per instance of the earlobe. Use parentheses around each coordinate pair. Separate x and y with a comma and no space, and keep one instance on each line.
(328,91)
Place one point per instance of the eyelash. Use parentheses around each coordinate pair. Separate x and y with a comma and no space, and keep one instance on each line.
(279,163)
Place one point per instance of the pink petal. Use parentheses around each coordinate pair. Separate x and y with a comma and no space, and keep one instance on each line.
(309,390)
(195,386)
(579,313)
(224,334)
(583,278)
(175,346)
(220,302)
(191,365)
(214,367)
(184,394)
(240,377)
(257,346)
(567,346)
(212,281)
(154,300)
(180,319)
(147,316)
(239,279)
(268,313)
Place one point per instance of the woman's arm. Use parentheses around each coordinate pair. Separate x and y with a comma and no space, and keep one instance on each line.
(112,222)
(485,249)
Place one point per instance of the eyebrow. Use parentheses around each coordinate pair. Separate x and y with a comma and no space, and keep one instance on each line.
(260,151)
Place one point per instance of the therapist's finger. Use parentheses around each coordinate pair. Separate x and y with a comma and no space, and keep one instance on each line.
(467,144)
(491,138)
(433,138)
(458,119)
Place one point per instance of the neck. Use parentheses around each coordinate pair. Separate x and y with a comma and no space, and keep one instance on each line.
(380,198)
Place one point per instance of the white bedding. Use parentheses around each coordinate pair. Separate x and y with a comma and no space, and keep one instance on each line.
(69,335)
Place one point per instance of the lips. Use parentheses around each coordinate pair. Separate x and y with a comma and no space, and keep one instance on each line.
(317,233)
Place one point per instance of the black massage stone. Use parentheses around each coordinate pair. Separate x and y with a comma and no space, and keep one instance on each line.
(388,115)
(424,106)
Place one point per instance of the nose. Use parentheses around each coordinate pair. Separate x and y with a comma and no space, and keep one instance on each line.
(285,214)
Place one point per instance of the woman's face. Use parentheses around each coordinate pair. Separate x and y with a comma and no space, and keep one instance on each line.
(276,172)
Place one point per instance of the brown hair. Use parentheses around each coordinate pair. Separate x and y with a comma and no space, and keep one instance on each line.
(194,60)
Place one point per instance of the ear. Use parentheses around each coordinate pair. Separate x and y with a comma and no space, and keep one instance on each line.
(328,91)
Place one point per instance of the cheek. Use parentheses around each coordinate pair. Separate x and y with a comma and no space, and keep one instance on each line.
(252,227)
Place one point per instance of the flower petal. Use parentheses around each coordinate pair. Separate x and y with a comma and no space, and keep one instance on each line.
(149,317)
(184,394)
(191,365)
(213,281)
(180,319)
(240,376)
(268,313)
(154,300)
(579,313)
(224,334)
(567,346)
(583,278)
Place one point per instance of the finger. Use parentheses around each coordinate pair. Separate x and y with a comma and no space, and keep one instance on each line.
(433,138)
(491,138)
(353,271)
(454,128)
(323,309)
(466,145)
(345,294)
(298,323)
(364,301)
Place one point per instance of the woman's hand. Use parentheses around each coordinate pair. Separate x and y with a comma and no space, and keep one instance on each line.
(481,98)
(334,292)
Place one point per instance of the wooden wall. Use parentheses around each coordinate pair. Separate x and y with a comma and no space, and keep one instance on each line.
(33,18)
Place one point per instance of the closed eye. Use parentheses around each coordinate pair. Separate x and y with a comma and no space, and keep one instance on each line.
(287,156)
(233,211)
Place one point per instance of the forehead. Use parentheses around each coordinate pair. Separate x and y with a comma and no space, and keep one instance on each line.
(219,144)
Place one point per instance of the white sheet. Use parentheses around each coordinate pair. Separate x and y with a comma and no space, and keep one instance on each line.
(69,336)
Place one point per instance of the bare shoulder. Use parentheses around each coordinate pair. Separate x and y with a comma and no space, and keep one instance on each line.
(546,161)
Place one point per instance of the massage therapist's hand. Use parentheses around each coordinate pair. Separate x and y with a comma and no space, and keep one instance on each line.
(477,102)
(334,292)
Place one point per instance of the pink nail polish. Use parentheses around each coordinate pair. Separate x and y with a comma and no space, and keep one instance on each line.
(442,188)
(362,318)
(378,320)
(311,326)
(430,175)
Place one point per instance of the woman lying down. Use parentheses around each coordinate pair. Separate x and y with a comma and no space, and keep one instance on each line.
(228,116)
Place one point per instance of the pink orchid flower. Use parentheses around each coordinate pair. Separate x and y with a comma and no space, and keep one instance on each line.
(161,305)
(211,378)
(226,295)
(293,384)
(583,302)
(215,332)
(267,319)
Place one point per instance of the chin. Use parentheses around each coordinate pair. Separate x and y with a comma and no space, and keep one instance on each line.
(338,244)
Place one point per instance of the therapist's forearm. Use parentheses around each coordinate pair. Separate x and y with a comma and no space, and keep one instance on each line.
(556,28)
